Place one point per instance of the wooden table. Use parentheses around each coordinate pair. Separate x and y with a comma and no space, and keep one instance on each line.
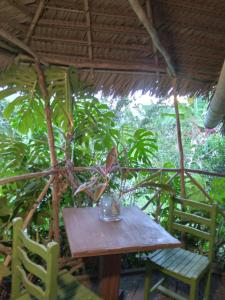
(88,236)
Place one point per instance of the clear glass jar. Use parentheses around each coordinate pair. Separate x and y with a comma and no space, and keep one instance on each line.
(109,208)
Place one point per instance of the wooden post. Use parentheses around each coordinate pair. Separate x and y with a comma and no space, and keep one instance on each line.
(51,142)
(179,140)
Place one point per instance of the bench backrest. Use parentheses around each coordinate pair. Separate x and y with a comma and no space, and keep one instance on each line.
(29,277)
(183,213)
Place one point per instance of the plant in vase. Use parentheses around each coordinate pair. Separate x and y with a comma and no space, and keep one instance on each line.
(109,204)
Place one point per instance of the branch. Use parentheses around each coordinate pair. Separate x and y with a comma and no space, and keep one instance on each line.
(153,34)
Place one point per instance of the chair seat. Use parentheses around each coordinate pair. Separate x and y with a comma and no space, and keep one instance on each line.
(69,288)
(180,261)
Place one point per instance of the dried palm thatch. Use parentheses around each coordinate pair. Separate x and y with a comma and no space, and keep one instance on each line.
(110,47)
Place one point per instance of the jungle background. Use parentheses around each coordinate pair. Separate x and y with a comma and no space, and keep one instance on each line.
(144,134)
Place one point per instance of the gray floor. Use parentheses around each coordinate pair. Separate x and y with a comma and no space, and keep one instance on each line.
(133,288)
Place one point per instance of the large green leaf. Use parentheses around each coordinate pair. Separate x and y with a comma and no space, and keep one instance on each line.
(143,146)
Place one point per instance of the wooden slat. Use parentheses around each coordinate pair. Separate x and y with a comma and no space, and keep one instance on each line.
(196,268)
(186,262)
(164,256)
(34,290)
(157,284)
(194,204)
(170,293)
(31,267)
(194,261)
(33,246)
(191,217)
(188,229)
(154,253)
(175,259)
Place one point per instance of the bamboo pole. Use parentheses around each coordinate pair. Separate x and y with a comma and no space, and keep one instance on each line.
(51,142)
(179,140)
(62,171)
(20,44)
(34,21)
(199,186)
(5,250)
(169,170)
(153,34)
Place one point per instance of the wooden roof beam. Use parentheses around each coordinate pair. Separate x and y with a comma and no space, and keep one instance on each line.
(107,66)
(21,8)
(95,27)
(6,47)
(92,12)
(153,34)
(134,47)
(89,35)
(20,44)
(58,59)
(34,21)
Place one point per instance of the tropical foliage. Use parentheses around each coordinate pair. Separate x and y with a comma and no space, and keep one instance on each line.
(86,129)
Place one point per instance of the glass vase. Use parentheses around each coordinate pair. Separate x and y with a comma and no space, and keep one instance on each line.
(109,208)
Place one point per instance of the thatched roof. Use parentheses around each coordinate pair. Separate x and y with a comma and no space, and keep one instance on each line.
(110,47)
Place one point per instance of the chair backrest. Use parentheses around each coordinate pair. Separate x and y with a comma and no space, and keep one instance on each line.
(183,213)
(24,269)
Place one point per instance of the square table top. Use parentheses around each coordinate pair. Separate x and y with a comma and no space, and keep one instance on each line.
(88,236)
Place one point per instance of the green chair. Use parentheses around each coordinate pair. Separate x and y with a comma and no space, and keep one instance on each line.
(181,264)
(43,282)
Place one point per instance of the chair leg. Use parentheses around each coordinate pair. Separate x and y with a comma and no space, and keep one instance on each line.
(193,290)
(148,281)
(208,286)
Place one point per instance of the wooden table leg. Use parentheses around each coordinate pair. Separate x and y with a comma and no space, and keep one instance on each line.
(110,276)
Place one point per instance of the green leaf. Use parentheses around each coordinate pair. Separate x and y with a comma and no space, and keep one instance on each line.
(7,92)
(12,105)
(4,271)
